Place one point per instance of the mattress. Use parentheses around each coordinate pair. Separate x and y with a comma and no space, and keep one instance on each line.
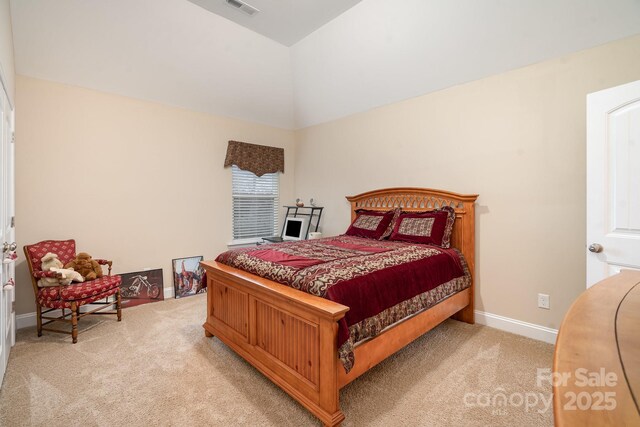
(381,281)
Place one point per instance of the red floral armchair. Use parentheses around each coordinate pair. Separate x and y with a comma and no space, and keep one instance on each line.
(69,298)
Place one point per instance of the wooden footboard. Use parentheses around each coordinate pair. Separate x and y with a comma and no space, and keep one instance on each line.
(290,336)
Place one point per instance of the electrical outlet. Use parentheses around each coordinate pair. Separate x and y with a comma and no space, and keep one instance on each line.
(543,301)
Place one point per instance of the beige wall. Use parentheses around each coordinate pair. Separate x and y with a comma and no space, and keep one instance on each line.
(137,182)
(143,183)
(517,139)
(6,48)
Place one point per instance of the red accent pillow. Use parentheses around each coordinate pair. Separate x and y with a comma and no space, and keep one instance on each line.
(432,227)
(370,224)
(389,230)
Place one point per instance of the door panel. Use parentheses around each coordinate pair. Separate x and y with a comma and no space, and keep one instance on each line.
(7,267)
(624,174)
(9,231)
(4,351)
(613,180)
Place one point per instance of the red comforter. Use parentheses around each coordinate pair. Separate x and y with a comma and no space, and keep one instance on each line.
(381,282)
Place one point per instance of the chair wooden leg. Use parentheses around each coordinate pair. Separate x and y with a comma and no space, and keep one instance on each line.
(39,319)
(119,305)
(74,321)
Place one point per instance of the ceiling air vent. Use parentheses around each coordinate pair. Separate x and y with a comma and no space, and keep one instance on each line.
(243,7)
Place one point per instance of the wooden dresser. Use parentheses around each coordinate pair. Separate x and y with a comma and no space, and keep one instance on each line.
(596,380)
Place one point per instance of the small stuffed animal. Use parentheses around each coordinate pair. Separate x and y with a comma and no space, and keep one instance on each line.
(50,260)
(67,275)
(86,266)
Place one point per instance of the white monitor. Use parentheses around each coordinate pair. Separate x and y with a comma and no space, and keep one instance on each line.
(295,228)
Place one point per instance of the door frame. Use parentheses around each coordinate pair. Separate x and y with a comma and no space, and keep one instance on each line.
(7,320)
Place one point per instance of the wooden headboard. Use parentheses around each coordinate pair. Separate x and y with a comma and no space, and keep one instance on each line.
(426,199)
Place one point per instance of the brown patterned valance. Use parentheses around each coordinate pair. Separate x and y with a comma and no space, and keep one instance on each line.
(259,159)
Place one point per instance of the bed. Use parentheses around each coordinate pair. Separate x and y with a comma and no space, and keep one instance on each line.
(296,339)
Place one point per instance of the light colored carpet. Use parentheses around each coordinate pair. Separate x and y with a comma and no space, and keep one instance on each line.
(157,368)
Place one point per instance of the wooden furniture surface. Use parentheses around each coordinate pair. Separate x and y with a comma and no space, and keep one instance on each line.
(597,356)
(291,336)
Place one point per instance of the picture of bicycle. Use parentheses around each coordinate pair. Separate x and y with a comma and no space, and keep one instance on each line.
(142,287)
(139,284)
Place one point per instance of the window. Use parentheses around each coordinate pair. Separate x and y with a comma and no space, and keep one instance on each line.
(255,204)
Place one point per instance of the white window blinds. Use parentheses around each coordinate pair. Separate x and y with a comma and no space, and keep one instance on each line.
(255,204)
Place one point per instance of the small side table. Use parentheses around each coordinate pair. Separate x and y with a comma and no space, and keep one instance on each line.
(310,211)
(313,212)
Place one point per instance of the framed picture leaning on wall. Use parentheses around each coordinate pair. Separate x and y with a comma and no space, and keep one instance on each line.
(187,276)
(141,287)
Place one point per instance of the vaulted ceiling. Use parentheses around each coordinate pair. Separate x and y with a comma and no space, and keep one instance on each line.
(285,21)
(372,53)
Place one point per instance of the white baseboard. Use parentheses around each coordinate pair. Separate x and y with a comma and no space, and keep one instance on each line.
(27,320)
(168,293)
(529,330)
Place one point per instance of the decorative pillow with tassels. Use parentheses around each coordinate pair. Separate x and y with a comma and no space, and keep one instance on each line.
(433,227)
(370,224)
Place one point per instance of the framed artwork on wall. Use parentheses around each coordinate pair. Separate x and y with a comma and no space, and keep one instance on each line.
(187,276)
(141,287)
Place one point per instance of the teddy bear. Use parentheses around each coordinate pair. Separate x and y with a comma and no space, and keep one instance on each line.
(67,275)
(86,266)
(50,260)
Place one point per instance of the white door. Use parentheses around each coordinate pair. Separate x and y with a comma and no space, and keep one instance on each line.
(613,181)
(7,234)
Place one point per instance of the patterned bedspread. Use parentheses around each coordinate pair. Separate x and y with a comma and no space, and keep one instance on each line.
(381,282)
